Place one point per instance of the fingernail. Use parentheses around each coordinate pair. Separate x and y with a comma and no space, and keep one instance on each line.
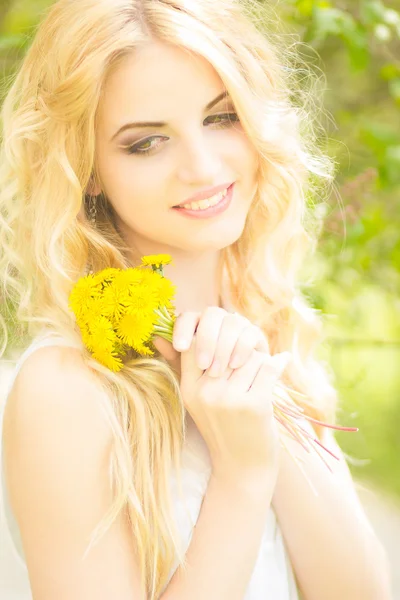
(203,361)
(181,344)
(235,362)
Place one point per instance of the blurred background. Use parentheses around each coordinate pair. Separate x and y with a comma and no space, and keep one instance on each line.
(354,47)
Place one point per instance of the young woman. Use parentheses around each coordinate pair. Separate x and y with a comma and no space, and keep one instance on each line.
(169,478)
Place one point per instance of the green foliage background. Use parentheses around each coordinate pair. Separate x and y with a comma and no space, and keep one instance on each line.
(356,47)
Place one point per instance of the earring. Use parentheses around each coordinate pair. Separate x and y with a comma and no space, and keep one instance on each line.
(93,210)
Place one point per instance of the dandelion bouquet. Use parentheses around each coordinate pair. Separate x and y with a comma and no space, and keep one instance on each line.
(119,309)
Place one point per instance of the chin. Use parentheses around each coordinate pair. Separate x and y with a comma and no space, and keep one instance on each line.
(219,243)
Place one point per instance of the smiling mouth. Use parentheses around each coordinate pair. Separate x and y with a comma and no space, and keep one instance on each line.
(204,204)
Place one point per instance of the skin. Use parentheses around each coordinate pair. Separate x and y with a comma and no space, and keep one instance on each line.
(193,153)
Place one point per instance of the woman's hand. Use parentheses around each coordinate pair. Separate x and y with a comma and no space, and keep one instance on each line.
(232,407)
(222,339)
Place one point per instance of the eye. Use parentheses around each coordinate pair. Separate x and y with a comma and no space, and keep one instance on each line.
(224,119)
(145,146)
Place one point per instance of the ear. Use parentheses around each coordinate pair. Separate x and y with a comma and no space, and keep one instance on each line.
(93,188)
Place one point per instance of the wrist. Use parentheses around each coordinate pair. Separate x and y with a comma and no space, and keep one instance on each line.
(255,484)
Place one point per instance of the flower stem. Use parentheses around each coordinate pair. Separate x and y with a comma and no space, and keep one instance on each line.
(161,329)
(165,312)
(338,427)
(163,321)
(166,336)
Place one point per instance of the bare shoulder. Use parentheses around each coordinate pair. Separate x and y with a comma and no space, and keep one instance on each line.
(54,417)
(54,389)
(51,367)
(57,442)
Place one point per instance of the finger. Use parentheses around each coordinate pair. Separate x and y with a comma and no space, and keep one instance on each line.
(269,373)
(242,378)
(207,335)
(231,329)
(246,375)
(184,328)
(251,338)
(226,373)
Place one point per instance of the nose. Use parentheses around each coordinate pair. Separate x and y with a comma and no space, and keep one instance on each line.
(200,162)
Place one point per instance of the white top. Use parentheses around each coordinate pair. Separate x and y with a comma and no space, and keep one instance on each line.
(272,577)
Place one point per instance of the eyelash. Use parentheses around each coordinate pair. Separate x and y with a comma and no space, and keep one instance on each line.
(135,149)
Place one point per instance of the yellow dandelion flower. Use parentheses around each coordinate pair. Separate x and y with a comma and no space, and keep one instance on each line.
(144,350)
(152,282)
(106,275)
(132,277)
(150,277)
(87,338)
(115,298)
(120,347)
(108,359)
(120,308)
(82,293)
(156,259)
(93,311)
(102,334)
(143,299)
(165,292)
(134,328)
(161,286)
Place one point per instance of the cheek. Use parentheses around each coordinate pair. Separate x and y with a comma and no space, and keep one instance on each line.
(243,154)
(128,184)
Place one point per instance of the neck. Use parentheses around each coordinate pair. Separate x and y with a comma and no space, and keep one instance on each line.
(196,278)
(195,275)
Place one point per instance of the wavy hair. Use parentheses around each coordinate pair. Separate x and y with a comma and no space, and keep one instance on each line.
(48,158)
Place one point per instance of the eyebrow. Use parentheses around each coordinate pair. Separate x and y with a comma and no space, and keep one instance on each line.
(209,106)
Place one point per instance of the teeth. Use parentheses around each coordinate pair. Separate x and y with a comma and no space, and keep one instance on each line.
(203,204)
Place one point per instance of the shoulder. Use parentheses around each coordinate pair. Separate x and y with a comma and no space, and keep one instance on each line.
(54,416)
(51,365)
(54,382)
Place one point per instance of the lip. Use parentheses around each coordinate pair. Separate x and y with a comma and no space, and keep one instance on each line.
(212,210)
(205,194)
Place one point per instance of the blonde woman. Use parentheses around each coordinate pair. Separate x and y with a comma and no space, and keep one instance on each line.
(138,127)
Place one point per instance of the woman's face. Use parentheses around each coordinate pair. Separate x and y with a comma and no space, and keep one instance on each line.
(146,170)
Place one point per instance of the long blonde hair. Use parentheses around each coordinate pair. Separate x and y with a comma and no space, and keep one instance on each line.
(47,241)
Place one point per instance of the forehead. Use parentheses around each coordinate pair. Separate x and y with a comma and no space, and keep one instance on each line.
(155,81)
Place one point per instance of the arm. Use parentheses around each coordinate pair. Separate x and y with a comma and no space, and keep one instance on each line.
(334,551)
(57,444)
(225,544)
